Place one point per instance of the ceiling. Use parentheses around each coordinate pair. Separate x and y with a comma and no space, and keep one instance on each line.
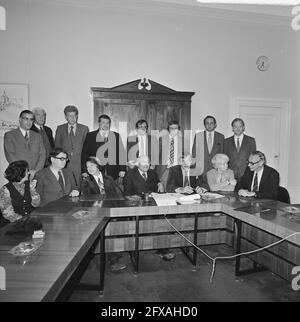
(275,10)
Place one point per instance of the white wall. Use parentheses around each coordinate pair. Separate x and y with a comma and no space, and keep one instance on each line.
(61,51)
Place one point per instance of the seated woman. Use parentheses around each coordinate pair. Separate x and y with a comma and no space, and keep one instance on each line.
(97,182)
(220,178)
(18,197)
(54,181)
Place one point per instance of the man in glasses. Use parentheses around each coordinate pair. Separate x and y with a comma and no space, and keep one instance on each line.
(55,181)
(259,180)
(24,144)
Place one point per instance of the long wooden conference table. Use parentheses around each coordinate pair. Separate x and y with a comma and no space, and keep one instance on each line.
(117,225)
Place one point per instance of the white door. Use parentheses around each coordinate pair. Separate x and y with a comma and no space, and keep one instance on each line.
(267,120)
(263,123)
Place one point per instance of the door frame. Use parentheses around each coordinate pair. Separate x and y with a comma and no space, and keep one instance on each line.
(285,125)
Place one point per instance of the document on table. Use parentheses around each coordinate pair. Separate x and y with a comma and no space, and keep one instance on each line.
(166,199)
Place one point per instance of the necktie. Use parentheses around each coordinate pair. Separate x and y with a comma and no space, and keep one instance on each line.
(26,137)
(144,176)
(61,181)
(255,183)
(72,136)
(186,179)
(41,129)
(209,142)
(101,186)
(172,151)
(238,144)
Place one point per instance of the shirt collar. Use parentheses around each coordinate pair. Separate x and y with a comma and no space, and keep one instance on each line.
(74,127)
(240,137)
(260,171)
(99,176)
(38,126)
(23,131)
(141,172)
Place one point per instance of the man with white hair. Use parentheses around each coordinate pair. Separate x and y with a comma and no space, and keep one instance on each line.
(182,180)
(141,179)
(39,127)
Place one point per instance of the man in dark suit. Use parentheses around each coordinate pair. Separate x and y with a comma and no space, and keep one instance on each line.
(70,137)
(259,180)
(238,148)
(207,144)
(24,144)
(39,127)
(55,181)
(172,145)
(140,144)
(107,146)
(141,179)
(181,180)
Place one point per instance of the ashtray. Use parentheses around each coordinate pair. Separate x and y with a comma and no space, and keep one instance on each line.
(81,214)
(24,248)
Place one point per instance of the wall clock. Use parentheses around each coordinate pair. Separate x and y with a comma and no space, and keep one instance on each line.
(263,63)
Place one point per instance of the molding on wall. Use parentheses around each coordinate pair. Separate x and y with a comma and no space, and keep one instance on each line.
(172,9)
(285,106)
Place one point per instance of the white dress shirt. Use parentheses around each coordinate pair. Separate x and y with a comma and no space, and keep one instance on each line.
(142,145)
(100,176)
(141,173)
(259,175)
(39,127)
(241,137)
(55,172)
(24,132)
(74,128)
(212,133)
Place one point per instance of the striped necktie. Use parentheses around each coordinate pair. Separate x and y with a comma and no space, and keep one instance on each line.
(61,180)
(172,150)
(26,138)
(255,183)
(101,186)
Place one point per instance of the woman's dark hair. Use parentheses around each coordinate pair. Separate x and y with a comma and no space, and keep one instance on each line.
(94,161)
(55,152)
(173,122)
(16,171)
(140,122)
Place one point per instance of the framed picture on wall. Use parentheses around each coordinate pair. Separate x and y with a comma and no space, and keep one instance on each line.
(13,99)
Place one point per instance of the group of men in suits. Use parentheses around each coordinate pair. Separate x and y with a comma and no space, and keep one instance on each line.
(169,154)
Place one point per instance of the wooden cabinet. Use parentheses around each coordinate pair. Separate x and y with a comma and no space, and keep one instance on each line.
(133,101)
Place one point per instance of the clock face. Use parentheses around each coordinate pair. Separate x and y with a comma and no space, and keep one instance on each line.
(263,63)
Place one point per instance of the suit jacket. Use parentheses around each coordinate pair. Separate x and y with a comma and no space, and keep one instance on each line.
(200,148)
(49,188)
(269,183)
(90,149)
(238,160)
(133,146)
(175,180)
(135,184)
(48,132)
(63,140)
(47,137)
(16,148)
(90,186)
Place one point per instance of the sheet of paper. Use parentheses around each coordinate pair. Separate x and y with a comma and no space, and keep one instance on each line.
(166,199)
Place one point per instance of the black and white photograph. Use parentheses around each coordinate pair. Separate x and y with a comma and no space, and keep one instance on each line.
(149,154)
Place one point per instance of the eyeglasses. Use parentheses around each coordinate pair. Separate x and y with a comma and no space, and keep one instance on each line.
(253,163)
(27,118)
(61,159)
